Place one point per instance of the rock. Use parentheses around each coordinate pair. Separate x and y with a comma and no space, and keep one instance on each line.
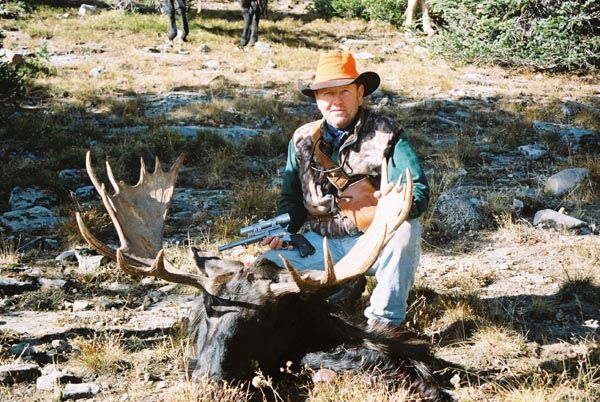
(203,48)
(551,219)
(574,137)
(117,287)
(518,205)
(31,220)
(16,59)
(533,151)
(86,193)
(97,72)
(10,286)
(271,64)
(49,381)
(324,375)
(80,305)
(79,391)
(566,180)
(212,64)
(363,56)
(477,78)
(88,260)
(66,256)
(86,9)
(15,373)
(420,49)
(72,176)
(51,283)
(458,214)
(192,200)
(263,48)
(24,198)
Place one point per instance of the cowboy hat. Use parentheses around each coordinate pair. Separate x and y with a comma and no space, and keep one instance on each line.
(338,69)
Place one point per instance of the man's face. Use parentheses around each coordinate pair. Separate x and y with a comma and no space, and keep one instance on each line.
(339,105)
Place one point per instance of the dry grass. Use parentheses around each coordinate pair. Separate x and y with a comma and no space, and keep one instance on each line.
(8,254)
(358,388)
(102,355)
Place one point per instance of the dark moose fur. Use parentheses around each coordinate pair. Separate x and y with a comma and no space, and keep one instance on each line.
(252,10)
(239,328)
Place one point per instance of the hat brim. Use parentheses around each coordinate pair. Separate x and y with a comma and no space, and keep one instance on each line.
(369,79)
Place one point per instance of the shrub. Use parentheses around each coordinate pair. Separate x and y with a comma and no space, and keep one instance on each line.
(12,84)
(383,10)
(552,35)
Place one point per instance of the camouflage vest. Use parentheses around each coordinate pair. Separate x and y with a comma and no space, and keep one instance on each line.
(360,155)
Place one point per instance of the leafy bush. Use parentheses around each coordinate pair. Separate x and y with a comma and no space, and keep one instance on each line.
(550,35)
(391,11)
(12,84)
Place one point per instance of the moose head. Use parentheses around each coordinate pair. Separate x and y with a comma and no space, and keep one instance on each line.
(248,318)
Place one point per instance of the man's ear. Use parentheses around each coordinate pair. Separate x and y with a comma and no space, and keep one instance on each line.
(361,93)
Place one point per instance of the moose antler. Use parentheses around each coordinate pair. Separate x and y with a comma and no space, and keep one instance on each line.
(138,214)
(392,210)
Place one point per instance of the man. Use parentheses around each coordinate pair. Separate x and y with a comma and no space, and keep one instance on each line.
(329,157)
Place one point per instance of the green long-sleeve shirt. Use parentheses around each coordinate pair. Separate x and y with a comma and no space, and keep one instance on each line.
(401,158)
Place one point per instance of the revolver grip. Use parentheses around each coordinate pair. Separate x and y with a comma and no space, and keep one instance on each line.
(303,245)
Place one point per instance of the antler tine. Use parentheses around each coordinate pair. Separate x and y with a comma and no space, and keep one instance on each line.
(329,273)
(111,178)
(158,269)
(383,182)
(143,171)
(92,240)
(91,173)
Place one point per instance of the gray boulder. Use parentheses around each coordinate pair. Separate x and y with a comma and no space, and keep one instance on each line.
(10,286)
(15,373)
(24,198)
(566,180)
(549,218)
(31,220)
(458,214)
(576,138)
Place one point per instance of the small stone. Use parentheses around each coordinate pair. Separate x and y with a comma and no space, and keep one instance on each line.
(533,152)
(212,64)
(80,305)
(78,391)
(51,283)
(66,256)
(203,48)
(86,9)
(97,72)
(324,376)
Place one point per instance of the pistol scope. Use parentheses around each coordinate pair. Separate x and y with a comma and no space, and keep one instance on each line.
(281,220)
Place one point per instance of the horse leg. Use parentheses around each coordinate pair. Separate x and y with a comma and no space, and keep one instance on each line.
(184,21)
(255,20)
(246,6)
(410,13)
(170,7)
(426,21)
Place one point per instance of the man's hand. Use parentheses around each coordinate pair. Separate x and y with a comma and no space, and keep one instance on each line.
(275,243)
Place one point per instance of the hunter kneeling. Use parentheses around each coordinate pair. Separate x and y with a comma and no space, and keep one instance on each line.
(331,178)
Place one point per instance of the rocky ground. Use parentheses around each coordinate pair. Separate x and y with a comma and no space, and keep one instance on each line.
(511,244)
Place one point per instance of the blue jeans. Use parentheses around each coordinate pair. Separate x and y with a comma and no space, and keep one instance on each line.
(394,269)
